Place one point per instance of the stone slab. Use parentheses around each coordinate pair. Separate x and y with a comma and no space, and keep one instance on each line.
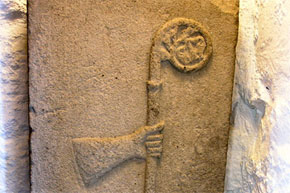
(89,65)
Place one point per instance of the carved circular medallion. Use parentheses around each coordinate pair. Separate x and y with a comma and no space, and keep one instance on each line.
(186,44)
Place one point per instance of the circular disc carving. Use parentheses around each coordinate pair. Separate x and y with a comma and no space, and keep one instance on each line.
(185,44)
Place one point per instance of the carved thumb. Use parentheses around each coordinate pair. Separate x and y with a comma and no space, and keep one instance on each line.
(142,133)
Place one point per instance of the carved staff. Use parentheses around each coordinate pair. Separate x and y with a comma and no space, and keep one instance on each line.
(186,45)
(154,87)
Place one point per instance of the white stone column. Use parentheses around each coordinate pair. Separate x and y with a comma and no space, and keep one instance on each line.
(14,129)
(259,147)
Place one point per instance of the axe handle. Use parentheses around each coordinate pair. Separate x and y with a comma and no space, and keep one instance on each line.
(150,176)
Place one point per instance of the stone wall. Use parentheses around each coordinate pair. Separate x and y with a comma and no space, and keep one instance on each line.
(258,156)
(258,159)
(14,129)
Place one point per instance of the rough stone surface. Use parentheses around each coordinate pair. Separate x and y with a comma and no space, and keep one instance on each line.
(14,129)
(258,155)
(89,67)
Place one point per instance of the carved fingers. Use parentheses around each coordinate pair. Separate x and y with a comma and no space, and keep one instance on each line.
(154,145)
(152,137)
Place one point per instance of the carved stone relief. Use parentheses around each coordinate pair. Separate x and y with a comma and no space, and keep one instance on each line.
(187,46)
(97,156)
(185,43)
(130,96)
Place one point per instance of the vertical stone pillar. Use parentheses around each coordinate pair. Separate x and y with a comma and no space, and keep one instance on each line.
(14,129)
(258,155)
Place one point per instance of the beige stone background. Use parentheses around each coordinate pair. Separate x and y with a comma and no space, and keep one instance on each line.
(88,70)
(258,158)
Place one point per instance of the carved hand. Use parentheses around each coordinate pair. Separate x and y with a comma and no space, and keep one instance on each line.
(152,137)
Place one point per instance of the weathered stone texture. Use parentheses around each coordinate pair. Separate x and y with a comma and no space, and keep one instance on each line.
(89,65)
(258,155)
(14,129)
